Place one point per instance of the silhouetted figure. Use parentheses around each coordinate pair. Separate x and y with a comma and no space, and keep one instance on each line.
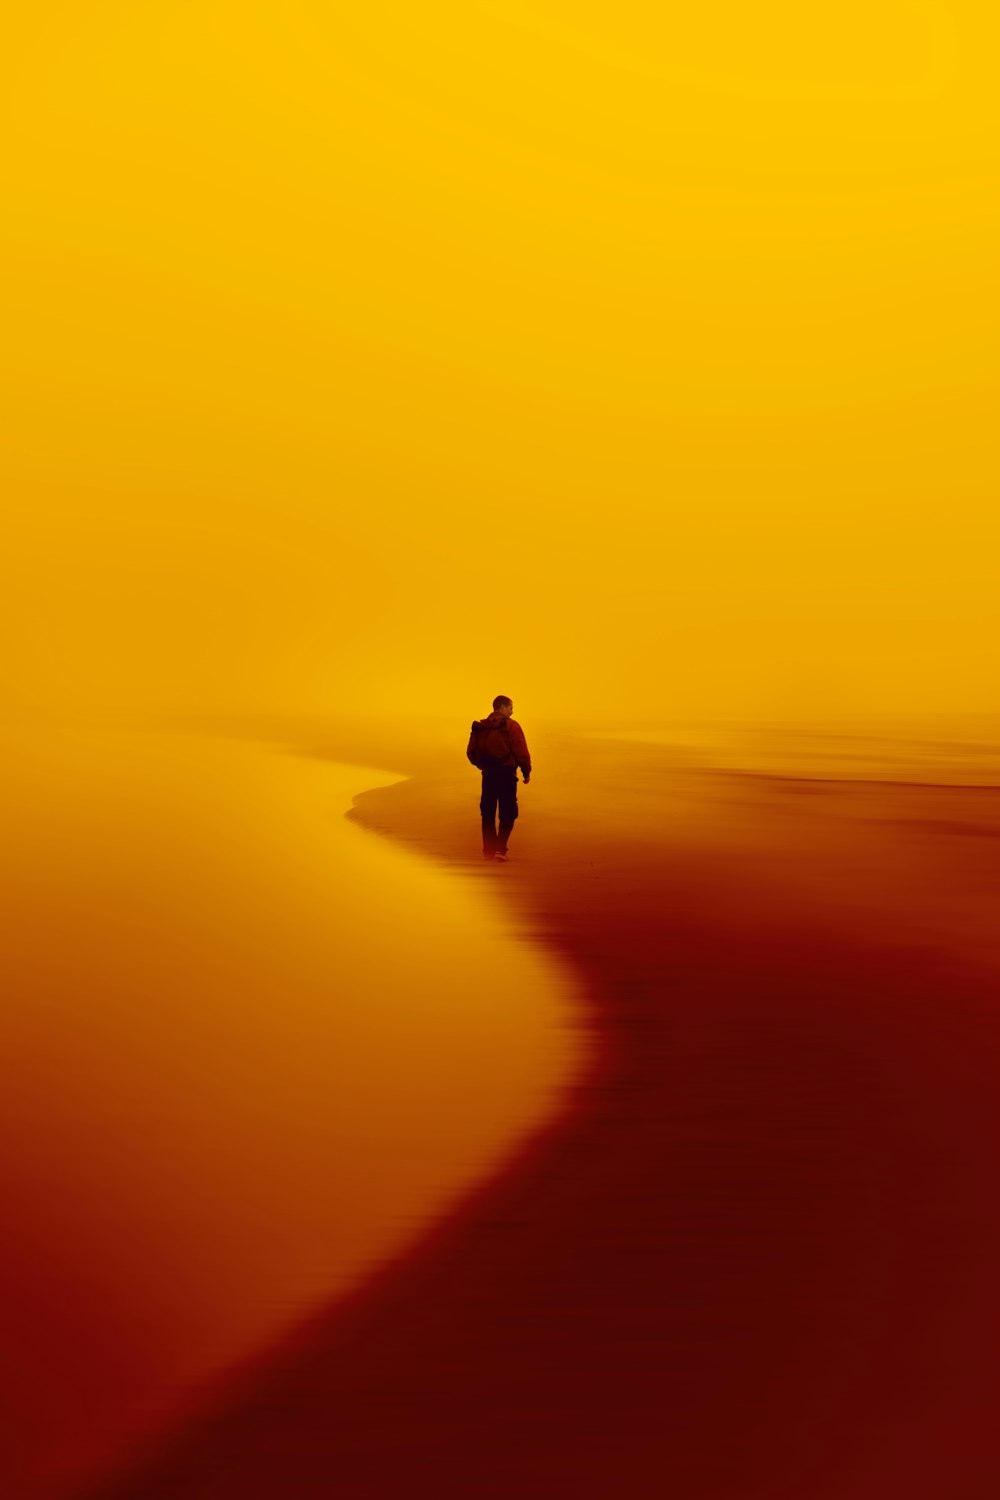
(497,747)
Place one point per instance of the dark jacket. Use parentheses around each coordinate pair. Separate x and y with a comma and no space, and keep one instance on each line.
(503,743)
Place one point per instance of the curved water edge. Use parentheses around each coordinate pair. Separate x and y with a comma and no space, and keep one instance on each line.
(255,1053)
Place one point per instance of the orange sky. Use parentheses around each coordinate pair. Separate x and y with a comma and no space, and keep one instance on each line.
(598,355)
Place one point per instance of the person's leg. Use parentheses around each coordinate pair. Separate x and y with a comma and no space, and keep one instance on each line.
(508,808)
(488,809)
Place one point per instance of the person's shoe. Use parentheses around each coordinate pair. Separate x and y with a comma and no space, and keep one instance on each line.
(501,854)
(489,854)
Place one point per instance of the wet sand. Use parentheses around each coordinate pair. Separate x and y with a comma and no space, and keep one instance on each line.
(755,1255)
(226,1097)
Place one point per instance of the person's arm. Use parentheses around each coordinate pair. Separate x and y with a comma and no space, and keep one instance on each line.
(520,748)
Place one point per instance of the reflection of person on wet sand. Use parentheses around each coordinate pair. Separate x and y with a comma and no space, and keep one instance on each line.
(497,747)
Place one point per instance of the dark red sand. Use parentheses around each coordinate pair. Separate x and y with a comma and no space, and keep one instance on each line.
(758,1255)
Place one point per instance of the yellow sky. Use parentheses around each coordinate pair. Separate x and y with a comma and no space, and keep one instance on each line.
(593,354)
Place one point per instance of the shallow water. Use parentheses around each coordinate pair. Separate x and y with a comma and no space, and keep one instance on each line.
(250,1052)
(944,751)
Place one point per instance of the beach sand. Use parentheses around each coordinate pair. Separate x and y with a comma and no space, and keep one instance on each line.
(226,1098)
(755,1255)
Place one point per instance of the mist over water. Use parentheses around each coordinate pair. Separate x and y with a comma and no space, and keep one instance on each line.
(952,750)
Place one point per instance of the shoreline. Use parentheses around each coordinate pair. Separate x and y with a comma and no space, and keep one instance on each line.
(229,1098)
(766,1211)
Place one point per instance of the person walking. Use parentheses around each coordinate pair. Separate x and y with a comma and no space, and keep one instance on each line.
(497,747)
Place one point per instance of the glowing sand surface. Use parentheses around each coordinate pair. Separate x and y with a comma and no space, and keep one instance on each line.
(250,1051)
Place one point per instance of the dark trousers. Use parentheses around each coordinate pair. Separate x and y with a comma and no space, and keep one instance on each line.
(499,791)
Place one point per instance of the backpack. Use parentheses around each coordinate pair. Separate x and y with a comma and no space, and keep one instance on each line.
(478,753)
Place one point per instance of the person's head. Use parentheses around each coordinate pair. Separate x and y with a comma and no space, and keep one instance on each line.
(503,706)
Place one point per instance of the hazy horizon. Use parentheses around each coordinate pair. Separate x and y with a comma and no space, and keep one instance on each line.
(381,358)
